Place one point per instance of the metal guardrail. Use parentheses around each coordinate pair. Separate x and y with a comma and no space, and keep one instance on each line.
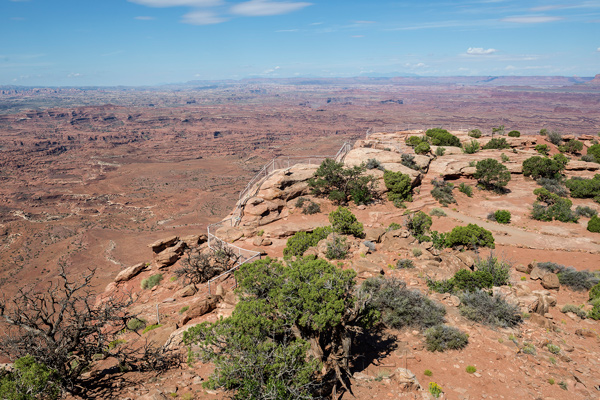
(245,255)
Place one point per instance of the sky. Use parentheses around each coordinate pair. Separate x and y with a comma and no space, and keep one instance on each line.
(151,42)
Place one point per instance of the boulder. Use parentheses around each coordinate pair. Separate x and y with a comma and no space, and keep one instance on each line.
(422,161)
(537,273)
(194,240)
(187,291)
(467,258)
(374,234)
(288,183)
(542,321)
(523,268)
(130,272)
(550,282)
(366,269)
(229,234)
(169,256)
(200,308)
(162,244)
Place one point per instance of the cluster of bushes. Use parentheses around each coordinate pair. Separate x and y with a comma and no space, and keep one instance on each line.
(594,298)
(489,272)
(408,160)
(341,184)
(491,174)
(472,147)
(542,149)
(554,137)
(570,277)
(151,281)
(344,222)
(543,167)
(572,147)
(441,137)
(550,206)
(442,192)
(480,306)
(554,185)
(594,151)
(514,134)
(466,189)
(419,144)
(584,187)
(475,133)
(337,248)
(442,338)
(496,143)
(29,380)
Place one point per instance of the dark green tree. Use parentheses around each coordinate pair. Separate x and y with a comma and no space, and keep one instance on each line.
(492,174)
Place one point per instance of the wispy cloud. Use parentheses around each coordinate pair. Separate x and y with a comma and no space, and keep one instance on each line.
(270,70)
(178,3)
(288,30)
(531,19)
(144,18)
(598,49)
(364,22)
(258,8)
(480,51)
(585,4)
(202,18)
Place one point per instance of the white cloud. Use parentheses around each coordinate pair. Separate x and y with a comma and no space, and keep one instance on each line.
(202,18)
(531,19)
(74,75)
(598,49)
(257,8)
(178,3)
(358,36)
(364,22)
(480,51)
(144,18)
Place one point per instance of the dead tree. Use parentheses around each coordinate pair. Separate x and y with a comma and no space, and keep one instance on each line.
(65,330)
(199,267)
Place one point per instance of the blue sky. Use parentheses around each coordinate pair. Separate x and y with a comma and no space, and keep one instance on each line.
(148,42)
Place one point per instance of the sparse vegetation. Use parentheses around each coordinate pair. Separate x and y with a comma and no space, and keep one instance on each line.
(528,348)
(408,160)
(571,147)
(470,368)
(183,309)
(418,224)
(422,148)
(337,248)
(575,310)
(29,380)
(151,328)
(475,133)
(301,241)
(394,226)
(463,280)
(440,151)
(514,134)
(417,252)
(542,149)
(311,208)
(554,349)
(135,324)
(472,147)
(442,192)
(555,208)
(427,372)
(373,163)
(502,216)
(585,211)
(405,263)
(466,189)
(435,389)
(498,269)
(553,185)
(585,187)
(555,138)
(570,277)
(444,337)
(437,212)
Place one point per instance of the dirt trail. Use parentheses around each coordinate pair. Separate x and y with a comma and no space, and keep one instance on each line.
(512,236)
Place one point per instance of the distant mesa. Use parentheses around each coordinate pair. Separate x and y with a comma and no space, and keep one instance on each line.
(595,81)
(392,101)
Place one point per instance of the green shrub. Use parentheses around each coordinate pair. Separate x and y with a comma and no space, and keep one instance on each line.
(496,143)
(584,187)
(300,202)
(575,310)
(542,149)
(373,163)
(514,134)
(585,211)
(502,216)
(470,236)
(440,151)
(418,224)
(339,184)
(438,239)
(135,324)
(492,174)
(301,241)
(435,390)
(405,263)
(441,137)
(555,138)
(554,349)
(151,281)
(343,221)
(595,292)
(589,158)
(498,269)
(401,307)
(563,385)
(552,185)
(488,309)
(463,280)
(437,212)
(29,380)
(543,131)
(150,328)
(444,337)
(337,249)
(542,167)
(470,368)
(417,252)
(183,309)
(394,226)
(427,372)
(422,148)
(466,189)
(594,313)
(408,160)
(594,151)
(398,184)
(311,208)
(472,147)
(475,133)
(529,348)
(442,192)
(504,158)
(414,141)
(572,147)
